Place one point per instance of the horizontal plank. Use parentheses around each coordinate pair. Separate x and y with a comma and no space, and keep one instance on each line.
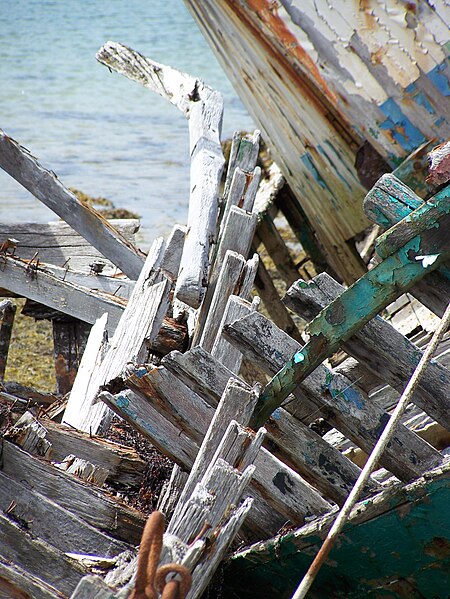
(59,244)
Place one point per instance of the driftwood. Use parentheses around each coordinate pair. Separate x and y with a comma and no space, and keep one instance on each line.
(43,184)
(204,108)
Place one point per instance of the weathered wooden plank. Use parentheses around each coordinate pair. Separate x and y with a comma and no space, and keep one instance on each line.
(16,582)
(231,272)
(79,302)
(204,108)
(389,202)
(243,155)
(236,236)
(79,405)
(288,439)
(60,245)
(81,499)
(45,186)
(7,313)
(38,558)
(356,306)
(123,463)
(384,351)
(222,350)
(344,405)
(93,587)
(139,324)
(146,419)
(171,261)
(46,520)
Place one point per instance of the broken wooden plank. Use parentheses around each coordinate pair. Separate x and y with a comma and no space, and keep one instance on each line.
(356,306)
(340,401)
(236,236)
(45,519)
(39,559)
(45,186)
(60,245)
(90,504)
(228,283)
(7,313)
(389,202)
(222,350)
(384,351)
(124,465)
(139,324)
(204,108)
(288,439)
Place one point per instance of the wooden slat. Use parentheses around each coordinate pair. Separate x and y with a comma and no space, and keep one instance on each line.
(44,185)
(52,523)
(58,244)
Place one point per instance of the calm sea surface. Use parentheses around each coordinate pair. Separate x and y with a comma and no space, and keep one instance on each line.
(98,131)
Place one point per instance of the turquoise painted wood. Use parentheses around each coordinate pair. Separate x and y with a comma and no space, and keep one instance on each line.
(422,253)
(396,546)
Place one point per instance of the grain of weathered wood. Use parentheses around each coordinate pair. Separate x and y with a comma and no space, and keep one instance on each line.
(243,155)
(93,587)
(83,500)
(204,108)
(16,582)
(44,185)
(383,350)
(38,558)
(170,264)
(343,404)
(222,350)
(47,520)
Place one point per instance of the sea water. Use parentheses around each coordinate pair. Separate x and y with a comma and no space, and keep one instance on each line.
(98,131)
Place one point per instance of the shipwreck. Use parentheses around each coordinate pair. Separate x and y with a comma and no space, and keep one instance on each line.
(309,430)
